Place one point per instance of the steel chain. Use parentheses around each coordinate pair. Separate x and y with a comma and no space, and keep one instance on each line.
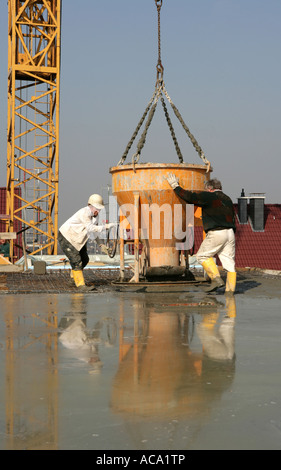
(149,119)
(172,130)
(124,156)
(151,107)
(190,135)
(159,66)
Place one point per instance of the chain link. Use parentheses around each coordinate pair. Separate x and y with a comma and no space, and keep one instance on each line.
(172,130)
(190,135)
(159,66)
(124,156)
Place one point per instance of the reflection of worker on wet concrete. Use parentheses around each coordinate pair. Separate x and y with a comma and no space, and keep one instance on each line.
(218,343)
(74,234)
(76,337)
(83,341)
(83,347)
(218,218)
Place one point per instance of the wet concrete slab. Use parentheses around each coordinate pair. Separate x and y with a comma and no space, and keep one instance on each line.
(115,370)
(53,281)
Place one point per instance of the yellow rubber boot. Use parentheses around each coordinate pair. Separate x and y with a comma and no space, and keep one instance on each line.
(230,283)
(210,320)
(230,304)
(80,283)
(78,278)
(212,270)
(71,282)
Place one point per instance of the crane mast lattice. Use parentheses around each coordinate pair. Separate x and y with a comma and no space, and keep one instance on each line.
(33,122)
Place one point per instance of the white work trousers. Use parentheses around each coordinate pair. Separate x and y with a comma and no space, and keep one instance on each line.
(221,243)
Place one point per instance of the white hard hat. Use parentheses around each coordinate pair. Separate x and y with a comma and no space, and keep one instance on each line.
(97,201)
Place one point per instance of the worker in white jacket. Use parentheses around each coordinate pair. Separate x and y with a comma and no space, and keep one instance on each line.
(74,234)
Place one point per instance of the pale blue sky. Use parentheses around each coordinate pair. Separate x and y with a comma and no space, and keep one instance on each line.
(222,69)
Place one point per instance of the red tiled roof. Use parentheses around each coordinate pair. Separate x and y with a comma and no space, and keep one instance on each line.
(256,249)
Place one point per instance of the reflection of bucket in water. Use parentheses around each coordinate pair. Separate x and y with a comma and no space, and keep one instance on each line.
(161,377)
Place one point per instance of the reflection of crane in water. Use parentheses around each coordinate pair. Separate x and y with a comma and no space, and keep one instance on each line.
(32,356)
(168,375)
(31,394)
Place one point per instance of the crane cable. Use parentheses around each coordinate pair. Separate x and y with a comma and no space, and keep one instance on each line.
(151,108)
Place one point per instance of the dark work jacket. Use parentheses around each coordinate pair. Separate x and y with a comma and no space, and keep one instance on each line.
(217,208)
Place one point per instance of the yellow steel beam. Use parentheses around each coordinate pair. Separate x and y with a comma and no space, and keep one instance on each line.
(33,121)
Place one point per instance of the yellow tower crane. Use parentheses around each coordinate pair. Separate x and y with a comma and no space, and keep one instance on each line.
(33,124)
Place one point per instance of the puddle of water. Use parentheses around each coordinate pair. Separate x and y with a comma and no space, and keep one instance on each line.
(119,371)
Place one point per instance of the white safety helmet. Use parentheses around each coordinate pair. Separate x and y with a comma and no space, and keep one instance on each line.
(97,201)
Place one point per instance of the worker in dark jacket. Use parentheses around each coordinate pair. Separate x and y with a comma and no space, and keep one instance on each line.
(218,219)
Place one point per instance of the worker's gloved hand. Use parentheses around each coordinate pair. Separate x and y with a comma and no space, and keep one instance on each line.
(111,225)
(103,248)
(172,180)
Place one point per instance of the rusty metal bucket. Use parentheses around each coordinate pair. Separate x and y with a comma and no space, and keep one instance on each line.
(145,186)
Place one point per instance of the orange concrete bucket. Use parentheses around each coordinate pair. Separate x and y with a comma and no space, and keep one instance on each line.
(148,181)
